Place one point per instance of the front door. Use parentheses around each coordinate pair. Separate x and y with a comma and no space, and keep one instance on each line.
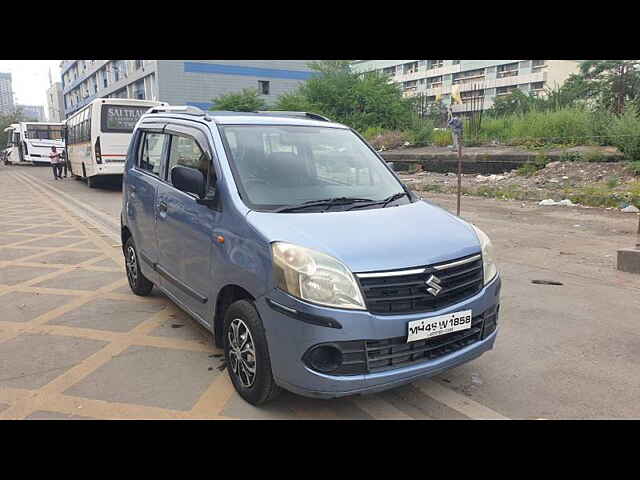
(185,231)
(142,184)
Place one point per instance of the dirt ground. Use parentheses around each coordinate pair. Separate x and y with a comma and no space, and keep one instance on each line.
(558,180)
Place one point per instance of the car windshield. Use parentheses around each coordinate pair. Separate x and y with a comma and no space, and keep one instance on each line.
(279,166)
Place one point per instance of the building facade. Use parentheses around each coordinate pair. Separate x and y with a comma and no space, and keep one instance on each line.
(6,94)
(479,79)
(34,113)
(178,82)
(55,103)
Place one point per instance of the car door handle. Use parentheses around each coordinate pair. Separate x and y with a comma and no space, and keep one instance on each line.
(162,206)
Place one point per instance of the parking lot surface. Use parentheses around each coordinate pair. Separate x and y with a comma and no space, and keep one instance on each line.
(75,343)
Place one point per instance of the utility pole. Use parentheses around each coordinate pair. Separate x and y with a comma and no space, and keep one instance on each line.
(456,133)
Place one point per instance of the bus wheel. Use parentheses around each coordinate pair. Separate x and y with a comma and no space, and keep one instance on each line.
(91,183)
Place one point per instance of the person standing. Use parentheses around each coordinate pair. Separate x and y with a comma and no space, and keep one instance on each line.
(56,161)
(63,163)
(456,126)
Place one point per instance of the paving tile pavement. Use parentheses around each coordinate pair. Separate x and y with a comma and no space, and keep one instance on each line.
(75,343)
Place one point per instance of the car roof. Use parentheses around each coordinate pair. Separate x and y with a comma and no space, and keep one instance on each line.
(246,118)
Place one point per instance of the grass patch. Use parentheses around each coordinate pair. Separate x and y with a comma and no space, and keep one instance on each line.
(530,168)
(613,182)
(442,138)
(635,167)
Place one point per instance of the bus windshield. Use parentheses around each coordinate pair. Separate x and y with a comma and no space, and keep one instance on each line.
(121,118)
(44,132)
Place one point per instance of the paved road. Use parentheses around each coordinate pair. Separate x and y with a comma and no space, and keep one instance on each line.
(74,343)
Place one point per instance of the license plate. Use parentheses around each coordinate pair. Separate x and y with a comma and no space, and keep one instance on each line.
(440,325)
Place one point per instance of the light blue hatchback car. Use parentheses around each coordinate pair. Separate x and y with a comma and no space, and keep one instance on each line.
(293,242)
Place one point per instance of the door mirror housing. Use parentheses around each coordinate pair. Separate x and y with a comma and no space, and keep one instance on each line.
(188,180)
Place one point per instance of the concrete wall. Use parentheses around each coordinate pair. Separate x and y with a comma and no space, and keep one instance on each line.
(55,103)
(559,70)
(198,82)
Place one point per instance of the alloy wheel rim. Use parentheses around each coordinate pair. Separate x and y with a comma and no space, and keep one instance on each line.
(242,353)
(132,265)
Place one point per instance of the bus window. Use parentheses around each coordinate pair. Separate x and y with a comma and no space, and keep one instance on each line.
(44,132)
(121,118)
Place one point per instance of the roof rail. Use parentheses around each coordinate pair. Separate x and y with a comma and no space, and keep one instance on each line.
(311,115)
(186,109)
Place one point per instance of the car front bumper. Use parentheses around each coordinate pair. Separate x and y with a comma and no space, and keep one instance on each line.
(289,338)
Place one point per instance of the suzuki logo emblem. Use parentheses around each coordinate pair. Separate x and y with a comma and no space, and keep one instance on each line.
(434,283)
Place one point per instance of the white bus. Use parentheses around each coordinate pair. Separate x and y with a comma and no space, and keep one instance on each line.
(97,136)
(32,141)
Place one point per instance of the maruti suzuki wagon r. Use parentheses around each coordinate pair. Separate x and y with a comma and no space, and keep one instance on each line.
(292,241)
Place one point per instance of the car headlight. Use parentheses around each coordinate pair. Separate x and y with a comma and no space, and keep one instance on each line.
(488,263)
(315,277)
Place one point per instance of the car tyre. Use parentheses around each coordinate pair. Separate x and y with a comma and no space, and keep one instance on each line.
(140,285)
(245,347)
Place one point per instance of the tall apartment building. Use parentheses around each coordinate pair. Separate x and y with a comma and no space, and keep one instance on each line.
(477,78)
(32,112)
(179,82)
(55,103)
(6,94)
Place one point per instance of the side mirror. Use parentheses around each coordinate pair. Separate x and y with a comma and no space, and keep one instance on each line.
(188,180)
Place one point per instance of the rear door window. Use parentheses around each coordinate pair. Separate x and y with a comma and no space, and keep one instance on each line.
(151,148)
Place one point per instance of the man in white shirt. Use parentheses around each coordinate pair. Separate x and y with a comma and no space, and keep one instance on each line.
(56,163)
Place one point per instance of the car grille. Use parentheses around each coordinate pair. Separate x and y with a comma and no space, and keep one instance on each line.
(371,356)
(405,291)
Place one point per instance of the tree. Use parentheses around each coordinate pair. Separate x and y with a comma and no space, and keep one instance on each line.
(514,102)
(613,83)
(5,121)
(248,100)
(293,101)
(358,100)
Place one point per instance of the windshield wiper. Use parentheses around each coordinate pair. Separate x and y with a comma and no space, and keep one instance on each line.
(384,202)
(329,202)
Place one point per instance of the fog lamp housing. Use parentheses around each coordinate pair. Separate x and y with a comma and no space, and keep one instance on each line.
(324,358)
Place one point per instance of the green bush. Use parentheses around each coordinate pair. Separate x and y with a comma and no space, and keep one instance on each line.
(442,138)
(530,168)
(247,100)
(372,132)
(534,129)
(567,156)
(527,169)
(594,156)
(624,133)
(421,134)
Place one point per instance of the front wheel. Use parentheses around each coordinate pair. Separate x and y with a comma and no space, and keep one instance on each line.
(247,355)
(140,285)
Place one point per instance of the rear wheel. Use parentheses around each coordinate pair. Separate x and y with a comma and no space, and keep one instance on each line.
(247,354)
(91,183)
(140,285)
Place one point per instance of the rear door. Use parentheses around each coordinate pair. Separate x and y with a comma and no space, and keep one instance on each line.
(185,227)
(141,189)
